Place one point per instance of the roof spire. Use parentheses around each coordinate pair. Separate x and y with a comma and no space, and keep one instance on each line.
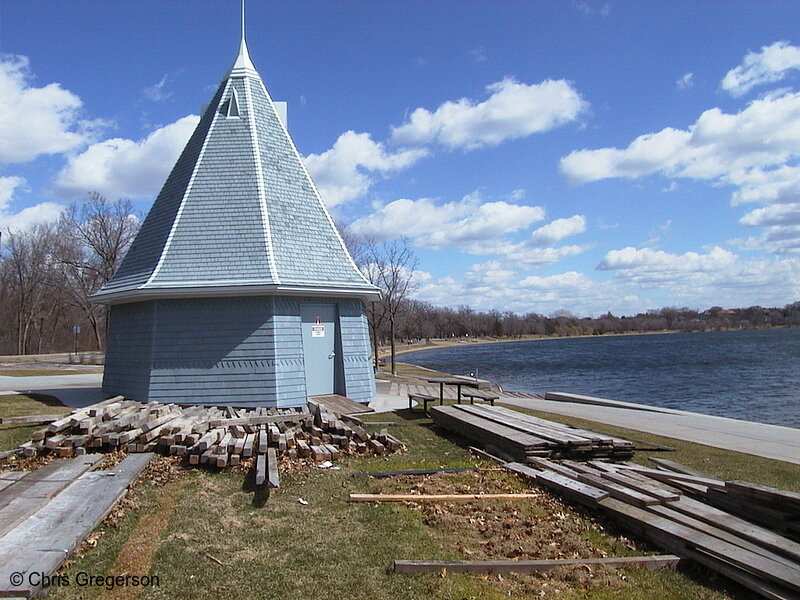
(243,59)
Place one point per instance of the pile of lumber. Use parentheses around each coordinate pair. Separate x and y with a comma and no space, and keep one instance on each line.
(665,508)
(45,514)
(776,509)
(520,437)
(207,435)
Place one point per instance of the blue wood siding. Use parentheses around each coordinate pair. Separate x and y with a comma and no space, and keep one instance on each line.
(128,357)
(227,351)
(358,371)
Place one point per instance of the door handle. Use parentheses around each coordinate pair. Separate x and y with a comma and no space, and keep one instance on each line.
(332,354)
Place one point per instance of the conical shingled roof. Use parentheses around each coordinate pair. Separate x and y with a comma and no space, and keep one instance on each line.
(238,214)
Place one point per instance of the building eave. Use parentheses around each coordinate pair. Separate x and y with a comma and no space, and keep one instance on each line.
(140,294)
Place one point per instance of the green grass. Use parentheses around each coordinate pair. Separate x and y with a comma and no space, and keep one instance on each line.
(331,548)
(407,372)
(14,405)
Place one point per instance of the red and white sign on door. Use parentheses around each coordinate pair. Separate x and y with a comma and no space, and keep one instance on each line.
(318,328)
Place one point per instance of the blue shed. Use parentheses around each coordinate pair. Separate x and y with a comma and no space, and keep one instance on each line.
(238,290)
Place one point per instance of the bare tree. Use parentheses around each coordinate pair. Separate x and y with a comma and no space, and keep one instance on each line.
(356,244)
(28,274)
(391,267)
(93,239)
(360,248)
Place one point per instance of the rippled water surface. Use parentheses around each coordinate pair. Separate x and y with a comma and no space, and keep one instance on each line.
(752,375)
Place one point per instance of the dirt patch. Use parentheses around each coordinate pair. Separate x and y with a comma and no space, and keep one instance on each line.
(531,529)
(136,556)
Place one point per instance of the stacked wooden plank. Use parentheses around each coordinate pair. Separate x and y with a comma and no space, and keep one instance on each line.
(47,513)
(523,437)
(776,509)
(32,490)
(654,504)
(341,405)
(207,435)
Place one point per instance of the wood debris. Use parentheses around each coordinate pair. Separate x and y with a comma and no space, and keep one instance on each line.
(520,437)
(213,436)
(682,514)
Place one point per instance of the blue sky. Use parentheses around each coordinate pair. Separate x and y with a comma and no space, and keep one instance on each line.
(591,156)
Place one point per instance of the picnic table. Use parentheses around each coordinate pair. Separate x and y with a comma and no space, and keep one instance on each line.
(456,381)
(483,395)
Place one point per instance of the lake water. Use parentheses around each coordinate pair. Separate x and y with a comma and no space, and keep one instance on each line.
(751,375)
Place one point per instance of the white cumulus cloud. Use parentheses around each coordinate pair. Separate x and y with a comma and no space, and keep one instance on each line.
(558,230)
(126,168)
(781,223)
(512,110)
(781,184)
(344,172)
(660,263)
(489,273)
(764,134)
(776,214)
(7,187)
(717,276)
(11,221)
(769,65)
(38,120)
(755,150)
(451,224)
(523,254)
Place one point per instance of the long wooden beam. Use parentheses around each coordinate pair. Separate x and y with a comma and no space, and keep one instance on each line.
(260,420)
(437,497)
(30,419)
(424,472)
(413,567)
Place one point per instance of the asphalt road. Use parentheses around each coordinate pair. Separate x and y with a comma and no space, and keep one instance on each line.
(73,390)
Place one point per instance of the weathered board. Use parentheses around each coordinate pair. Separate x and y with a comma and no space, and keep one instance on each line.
(413,567)
(42,542)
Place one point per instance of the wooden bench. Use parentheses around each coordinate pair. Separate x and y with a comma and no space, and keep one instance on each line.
(483,395)
(424,398)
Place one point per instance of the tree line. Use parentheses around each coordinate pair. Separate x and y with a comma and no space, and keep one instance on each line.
(49,271)
(420,320)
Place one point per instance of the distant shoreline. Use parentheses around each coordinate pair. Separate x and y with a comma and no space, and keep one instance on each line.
(385,352)
(442,343)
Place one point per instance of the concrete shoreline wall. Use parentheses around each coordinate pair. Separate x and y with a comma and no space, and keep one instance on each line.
(240,351)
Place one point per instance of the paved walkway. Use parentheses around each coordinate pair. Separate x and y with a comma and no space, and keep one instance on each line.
(75,391)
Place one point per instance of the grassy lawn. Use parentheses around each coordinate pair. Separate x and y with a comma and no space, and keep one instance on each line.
(407,372)
(9,372)
(330,548)
(13,405)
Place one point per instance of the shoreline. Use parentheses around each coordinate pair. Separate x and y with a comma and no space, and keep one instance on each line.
(384,352)
(511,383)
(442,343)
